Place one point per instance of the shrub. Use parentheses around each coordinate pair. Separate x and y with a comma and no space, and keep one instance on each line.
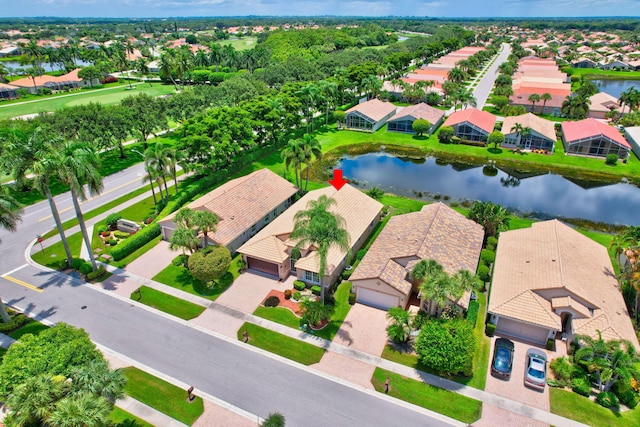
(93,275)
(419,320)
(490,329)
(121,234)
(346,274)
(487,256)
(297,296)
(361,253)
(562,369)
(16,322)
(181,260)
(582,386)
(625,393)
(76,263)
(611,159)
(210,264)
(113,242)
(492,243)
(551,344)
(484,273)
(109,79)
(85,268)
(148,220)
(272,301)
(329,299)
(446,346)
(607,399)
(352,298)
(287,294)
(315,290)
(445,135)
(135,242)
(472,312)
(105,233)
(112,220)
(299,285)
(101,229)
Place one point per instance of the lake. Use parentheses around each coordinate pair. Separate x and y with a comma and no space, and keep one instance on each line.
(543,195)
(616,87)
(14,65)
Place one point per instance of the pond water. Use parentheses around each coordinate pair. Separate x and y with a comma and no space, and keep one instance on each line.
(543,195)
(616,87)
(14,65)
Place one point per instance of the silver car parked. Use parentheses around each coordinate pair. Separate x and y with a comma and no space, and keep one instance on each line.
(535,370)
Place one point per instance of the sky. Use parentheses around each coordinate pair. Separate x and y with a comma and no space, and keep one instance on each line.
(431,8)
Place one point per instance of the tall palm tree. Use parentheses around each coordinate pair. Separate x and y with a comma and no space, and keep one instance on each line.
(177,159)
(151,177)
(206,221)
(79,167)
(158,157)
(215,55)
(167,67)
(310,148)
(10,215)
(184,238)
(544,98)
(533,98)
(630,98)
(456,75)
(319,227)
(328,91)
(293,155)
(465,97)
(310,95)
(520,131)
(372,85)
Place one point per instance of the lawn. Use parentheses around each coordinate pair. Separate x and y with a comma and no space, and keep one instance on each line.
(121,418)
(55,253)
(281,345)
(480,356)
(280,315)
(179,277)
(107,96)
(167,303)
(34,328)
(244,43)
(571,405)
(596,74)
(436,399)
(161,395)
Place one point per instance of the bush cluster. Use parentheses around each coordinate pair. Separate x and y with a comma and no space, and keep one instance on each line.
(299,285)
(121,234)
(490,329)
(112,220)
(581,385)
(607,399)
(297,296)
(16,322)
(625,393)
(315,290)
(492,243)
(487,256)
(352,298)
(484,273)
(181,260)
(109,79)
(93,275)
(272,301)
(135,242)
(113,242)
(76,263)
(472,312)
(287,294)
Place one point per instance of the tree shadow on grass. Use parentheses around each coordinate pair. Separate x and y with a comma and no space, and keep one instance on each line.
(420,138)
(211,289)
(495,150)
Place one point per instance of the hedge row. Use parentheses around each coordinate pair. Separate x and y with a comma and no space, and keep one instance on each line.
(135,242)
(472,312)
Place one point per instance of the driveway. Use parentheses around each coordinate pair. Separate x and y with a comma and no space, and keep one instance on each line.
(247,291)
(514,389)
(153,261)
(364,329)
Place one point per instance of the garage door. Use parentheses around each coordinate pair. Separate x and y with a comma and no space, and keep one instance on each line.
(263,266)
(376,299)
(522,330)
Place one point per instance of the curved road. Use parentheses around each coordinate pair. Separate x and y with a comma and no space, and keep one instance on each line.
(228,370)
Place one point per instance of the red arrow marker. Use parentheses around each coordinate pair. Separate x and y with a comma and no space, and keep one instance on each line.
(338,182)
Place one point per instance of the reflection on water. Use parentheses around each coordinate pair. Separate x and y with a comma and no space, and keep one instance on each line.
(545,194)
(616,87)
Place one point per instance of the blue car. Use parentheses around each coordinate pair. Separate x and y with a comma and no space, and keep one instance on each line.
(502,359)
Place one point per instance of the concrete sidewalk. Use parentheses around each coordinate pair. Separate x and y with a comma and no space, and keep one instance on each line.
(147,413)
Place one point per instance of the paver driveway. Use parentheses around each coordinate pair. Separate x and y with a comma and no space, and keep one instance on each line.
(154,261)
(364,329)
(513,389)
(247,291)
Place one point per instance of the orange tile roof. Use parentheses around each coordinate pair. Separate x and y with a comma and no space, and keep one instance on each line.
(481,119)
(536,267)
(588,128)
(41,80)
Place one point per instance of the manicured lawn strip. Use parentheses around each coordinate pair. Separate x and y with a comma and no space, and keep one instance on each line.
(596,74)
(341,309)
(167,303)
(161,395)
(179,277)
(436,399)
(483,348)
(282,345)
(571,405)
(34,328)
(55,253)
(401,204)
(121,418)
(281,315)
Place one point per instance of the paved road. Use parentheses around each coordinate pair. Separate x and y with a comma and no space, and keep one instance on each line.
(481,92)
(230,371)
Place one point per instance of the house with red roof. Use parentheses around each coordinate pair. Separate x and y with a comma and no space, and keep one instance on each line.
(370,115)
(471,124)
(590,137)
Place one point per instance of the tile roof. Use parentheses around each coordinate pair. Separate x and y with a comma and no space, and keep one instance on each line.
(436,232)
(604,102)
(357,209)
(242,202)
(542,126)
(420,111)
(537,267)
(588,128)
(374,109)
(481,119)
(41,80)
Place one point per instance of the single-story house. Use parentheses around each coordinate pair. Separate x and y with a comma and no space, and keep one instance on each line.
(584,63)
(274,253)
(632,133)
(382,279)
(154,66)
(65,82)
(243,206)
(601,104)
(590,137)
(369,115)
(552,282)
(541,133)
(615,64)
(403,119)
(8,91)
(471,124)
(10,51)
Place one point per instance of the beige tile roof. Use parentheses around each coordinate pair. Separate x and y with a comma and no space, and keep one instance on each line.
(436,232)
(420,111)
(374,109)
(357,209)
(269,248)
(550,261)
(604,102)
(241,203)
(542,126)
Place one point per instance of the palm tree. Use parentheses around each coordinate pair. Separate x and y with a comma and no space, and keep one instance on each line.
(328,90)
(576,106)
(167,67)
(33,401)
(310,94)
(314,311)
(310,148)
(275,419)
(465,97)
(630,98)
(184,238)
(96,378)
(293,154)
(79,167)
(151,177)
(544,98)
(533,98)
(492,217)
(319,227)
(206,221)
(158,158)
(457,75)
(85,410)
(372,85)
(10,211)
(177,158)
(215,54)
(399,329)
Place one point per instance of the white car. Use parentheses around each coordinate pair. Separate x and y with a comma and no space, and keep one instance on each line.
(535,370)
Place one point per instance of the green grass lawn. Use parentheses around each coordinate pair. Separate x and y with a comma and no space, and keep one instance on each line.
(282,345)
(571,405)
(121,418)
(167,303)
(55,253)
(244,43)
(436,399)
(108,96)
(596,74)
(179,277)
(161,395)
(281,315)
(34,328)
